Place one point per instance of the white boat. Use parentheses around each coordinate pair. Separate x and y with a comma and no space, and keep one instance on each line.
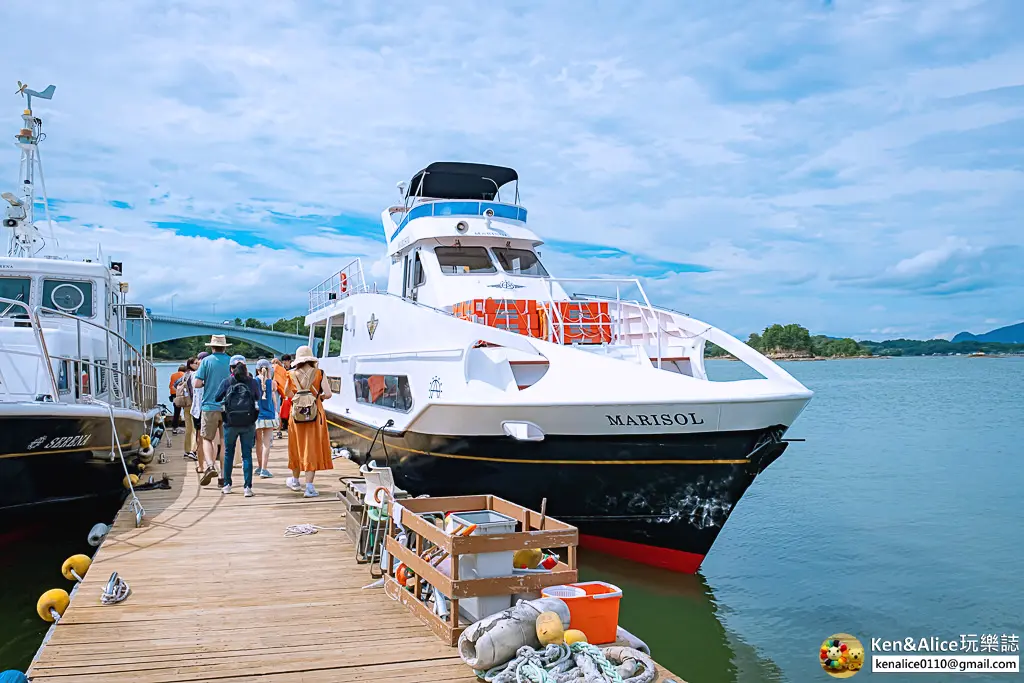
(478,371)
(74,393)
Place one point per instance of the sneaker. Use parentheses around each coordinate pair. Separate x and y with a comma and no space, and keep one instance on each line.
(265,474)
(208,476)
(293,484)
(247,492)
(310,492)
(191,455)
(226,489)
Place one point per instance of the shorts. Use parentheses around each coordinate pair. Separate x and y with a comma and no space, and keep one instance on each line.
(212,421)
(268,424)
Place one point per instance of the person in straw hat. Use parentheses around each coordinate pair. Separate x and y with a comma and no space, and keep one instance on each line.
(213,370)
(309,446)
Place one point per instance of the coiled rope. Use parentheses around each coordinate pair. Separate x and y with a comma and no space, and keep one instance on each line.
(307,529)
(577,662)
(116,590)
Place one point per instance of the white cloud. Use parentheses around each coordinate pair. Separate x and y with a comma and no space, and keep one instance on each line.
(785,147)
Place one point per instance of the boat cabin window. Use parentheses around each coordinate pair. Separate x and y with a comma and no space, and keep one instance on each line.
(520,262)
(68,296)
(17,289)
(386,391)
(418,276)
(464,260)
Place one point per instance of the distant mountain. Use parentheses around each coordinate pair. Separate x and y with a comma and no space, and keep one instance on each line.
(1011,334)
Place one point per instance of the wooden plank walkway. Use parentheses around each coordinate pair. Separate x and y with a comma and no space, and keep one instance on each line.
(219,594)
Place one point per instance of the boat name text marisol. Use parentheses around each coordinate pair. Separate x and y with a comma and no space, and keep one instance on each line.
(654,420)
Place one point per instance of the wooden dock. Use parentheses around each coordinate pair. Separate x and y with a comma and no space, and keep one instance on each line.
(220,594)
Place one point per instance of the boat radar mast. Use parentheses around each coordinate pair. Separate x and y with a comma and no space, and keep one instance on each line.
(25,240)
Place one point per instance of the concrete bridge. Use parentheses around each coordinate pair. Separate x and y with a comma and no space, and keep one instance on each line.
(165,328)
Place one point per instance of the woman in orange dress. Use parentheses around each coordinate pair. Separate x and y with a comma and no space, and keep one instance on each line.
(309,446)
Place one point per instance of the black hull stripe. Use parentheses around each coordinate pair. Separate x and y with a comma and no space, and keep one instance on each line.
(540,462)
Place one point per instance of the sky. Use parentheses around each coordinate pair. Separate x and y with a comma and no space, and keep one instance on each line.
(855,167)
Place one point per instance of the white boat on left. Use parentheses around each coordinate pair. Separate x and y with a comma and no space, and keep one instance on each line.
(78,402)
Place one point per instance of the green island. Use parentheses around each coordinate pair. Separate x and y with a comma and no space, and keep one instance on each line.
(795,342)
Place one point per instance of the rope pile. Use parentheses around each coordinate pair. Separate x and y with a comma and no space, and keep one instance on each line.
(306,529)
(579,662)
(116,590)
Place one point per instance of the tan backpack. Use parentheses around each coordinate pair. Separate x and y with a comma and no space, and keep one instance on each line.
(304,402)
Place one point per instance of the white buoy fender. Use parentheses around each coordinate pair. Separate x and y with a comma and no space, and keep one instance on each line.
(493,640)
(97,534)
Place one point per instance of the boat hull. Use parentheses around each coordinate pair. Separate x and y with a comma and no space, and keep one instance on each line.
(657,499)
(53,463)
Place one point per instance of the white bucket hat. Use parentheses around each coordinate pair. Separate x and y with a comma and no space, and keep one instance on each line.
(303,354)
(218,340)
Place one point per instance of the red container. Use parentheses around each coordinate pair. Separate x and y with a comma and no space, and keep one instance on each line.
(596,613)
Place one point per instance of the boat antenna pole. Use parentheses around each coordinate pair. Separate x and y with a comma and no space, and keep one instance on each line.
(20,214)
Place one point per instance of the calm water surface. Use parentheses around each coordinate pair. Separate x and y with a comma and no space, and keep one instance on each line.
(900,516)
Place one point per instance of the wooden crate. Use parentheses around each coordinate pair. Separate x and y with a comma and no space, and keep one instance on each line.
(554,534)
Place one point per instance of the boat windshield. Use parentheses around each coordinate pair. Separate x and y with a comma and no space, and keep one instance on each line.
(464,260)
(17,289)
(520,262)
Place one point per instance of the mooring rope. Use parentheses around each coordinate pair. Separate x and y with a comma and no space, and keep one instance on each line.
(307,529)
(116,590)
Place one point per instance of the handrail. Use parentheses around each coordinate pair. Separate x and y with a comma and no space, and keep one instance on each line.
(40,343)
(347,281)
(130,376)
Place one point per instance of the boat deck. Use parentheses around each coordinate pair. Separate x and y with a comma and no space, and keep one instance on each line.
(220,594)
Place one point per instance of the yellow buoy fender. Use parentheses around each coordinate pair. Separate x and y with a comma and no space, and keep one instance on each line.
(527,558)
(549,628)
(55,599)
(574,635)
(134,479)
(144,441)
(76,564)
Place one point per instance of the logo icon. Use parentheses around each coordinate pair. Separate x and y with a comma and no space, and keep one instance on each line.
(507,284)
(371,324)
(435,388)
(841,655)
(36,443)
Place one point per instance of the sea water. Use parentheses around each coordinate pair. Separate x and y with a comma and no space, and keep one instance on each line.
(900,516)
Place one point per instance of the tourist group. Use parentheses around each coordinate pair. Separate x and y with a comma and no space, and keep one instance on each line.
(224,405)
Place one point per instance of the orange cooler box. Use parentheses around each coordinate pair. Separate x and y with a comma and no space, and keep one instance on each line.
(593,608)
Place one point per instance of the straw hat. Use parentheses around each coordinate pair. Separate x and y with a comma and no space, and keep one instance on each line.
(218,340)
(304,354)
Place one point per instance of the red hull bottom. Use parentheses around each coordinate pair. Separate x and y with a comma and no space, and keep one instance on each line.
(666,558)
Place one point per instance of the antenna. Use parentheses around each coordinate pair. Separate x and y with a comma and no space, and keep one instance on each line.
(20,214)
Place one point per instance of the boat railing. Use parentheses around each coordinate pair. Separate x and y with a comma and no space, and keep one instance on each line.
(460,207)
(120,374)
(347,281)
(14,392)
(618,333)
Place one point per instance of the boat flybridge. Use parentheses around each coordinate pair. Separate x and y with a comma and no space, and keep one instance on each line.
(76,398)
(477,370)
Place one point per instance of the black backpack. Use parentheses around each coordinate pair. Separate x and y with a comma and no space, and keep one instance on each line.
(240,405)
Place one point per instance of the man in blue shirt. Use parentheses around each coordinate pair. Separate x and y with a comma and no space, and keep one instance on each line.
(212,372)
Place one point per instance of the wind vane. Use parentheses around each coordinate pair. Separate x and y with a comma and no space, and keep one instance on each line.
(23,90)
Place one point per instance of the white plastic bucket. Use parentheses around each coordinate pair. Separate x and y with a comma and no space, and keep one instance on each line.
(563,592)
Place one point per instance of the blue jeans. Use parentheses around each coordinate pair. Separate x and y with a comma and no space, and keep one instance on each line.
(247,435)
